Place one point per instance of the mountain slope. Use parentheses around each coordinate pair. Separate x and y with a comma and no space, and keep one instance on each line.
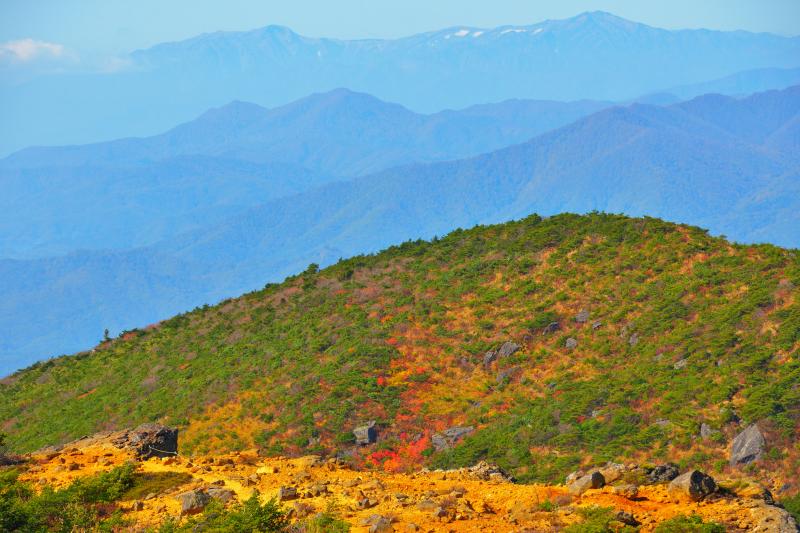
(683,163)
(135,192)
(401,338)
(593,55)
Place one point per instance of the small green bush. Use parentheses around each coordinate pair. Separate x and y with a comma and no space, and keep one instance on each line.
(688,524)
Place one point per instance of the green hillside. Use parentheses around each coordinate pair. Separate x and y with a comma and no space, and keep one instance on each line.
(682,329)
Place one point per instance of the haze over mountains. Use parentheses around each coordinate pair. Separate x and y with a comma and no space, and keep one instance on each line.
(138,191)
(727,164)
(172,82)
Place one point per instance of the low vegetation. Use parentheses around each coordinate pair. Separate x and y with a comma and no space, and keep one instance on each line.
(683,329)
(86,504)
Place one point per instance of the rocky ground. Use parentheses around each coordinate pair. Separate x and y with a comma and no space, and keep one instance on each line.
(481,498)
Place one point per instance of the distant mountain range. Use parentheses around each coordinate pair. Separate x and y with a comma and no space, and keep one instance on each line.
(727,164)
(138,191)
(591,56)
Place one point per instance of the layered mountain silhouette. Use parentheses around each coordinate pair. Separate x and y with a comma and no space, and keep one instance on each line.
(138,191)
(728,164)
(591,56)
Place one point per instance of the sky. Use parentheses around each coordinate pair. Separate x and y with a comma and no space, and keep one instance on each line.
(113,26)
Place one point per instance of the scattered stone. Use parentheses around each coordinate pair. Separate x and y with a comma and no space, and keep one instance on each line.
(302,510)
(374,484)
(694,484)
(627,518)
(507,349)
(448,438)
(594,480)
(747,446)
(663,473)
(571,343)
(150,496)
(489,358)
(193,502)
(582,317)
(506,375)
(627,490)
(137,506)
(366,434)
(379,524)
(221,494)
(149,440)
(552,327)
(267,470)
(596,324)
(633,340)
(487,471)
(573,476)
(680,364)
(318,489)
(613,471)
(365,503)
(287,493)
(706,431)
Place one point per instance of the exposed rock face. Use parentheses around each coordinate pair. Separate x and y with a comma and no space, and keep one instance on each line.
(447,438)
(149,440)
(193,502)
(663,473)
(366,434)
(489,357)
(595,480)
(693,484)
(747,446)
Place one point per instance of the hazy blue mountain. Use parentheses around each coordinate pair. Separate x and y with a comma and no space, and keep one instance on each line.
(136,191)
(591,56)
(741,83)
(689,162)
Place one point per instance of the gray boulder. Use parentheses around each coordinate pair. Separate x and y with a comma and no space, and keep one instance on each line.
(694,484)
(149,440)
(571,343)
(663,473)
(489,357)
(366,434)
(221,494)
(747,446)
(595,480)
(193,502)
(507,349)
(582,317)
(552,327)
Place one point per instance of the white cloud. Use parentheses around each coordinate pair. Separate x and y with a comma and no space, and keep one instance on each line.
(25,50)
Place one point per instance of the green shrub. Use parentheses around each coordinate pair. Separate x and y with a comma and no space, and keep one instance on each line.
(688,524)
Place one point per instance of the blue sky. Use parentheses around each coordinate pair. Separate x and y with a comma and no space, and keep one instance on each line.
(114,26)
